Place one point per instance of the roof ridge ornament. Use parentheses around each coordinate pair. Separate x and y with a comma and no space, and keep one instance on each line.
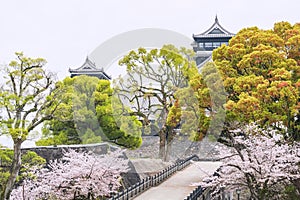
(211,33)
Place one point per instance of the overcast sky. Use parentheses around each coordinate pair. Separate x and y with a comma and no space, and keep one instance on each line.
(66,31)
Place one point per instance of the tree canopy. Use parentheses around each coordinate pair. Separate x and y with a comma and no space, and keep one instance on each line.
(153,77)
(260,71)
(87,116)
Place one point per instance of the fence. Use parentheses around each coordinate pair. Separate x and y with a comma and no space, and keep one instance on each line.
(199,193)
(152,181)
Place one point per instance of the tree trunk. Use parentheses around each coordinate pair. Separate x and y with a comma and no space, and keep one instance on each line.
(162,144)
(168,151)
(16,165)
(296,184)
(170,138)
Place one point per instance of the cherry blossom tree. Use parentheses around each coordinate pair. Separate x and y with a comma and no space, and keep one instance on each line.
(76,175)
(259,165)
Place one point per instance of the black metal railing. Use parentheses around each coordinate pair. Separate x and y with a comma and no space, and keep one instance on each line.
(152,181)
(199,193)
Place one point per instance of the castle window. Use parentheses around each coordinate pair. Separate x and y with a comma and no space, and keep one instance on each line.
(208,44)
(216,44)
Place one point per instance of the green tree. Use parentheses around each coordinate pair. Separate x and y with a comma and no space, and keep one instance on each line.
(153,77)
(203,102)
(23,104)
(260,70)
(87,116)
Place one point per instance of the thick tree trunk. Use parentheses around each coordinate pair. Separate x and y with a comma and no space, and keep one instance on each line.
(16,165)
(166,136)
(169,139)
(162,144)
(168,151)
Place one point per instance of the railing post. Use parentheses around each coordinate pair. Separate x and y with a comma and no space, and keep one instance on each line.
(128,190)
(151,181)
(122,195)
(131,190)
(159,177)
(135,189)
(166,173)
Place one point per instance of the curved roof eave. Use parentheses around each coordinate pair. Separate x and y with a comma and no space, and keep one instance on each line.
(215,25)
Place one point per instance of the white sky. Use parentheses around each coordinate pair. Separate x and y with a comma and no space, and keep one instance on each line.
(64,32)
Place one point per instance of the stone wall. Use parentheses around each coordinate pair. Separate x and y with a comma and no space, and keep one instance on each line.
(181,147)
(56,152)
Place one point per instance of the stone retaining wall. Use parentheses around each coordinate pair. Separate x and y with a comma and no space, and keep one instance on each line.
(56,152)
(181,148)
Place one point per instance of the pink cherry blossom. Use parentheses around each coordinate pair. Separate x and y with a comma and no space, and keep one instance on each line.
(257,164)
(76,174)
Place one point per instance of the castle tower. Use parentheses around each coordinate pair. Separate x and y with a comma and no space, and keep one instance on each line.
(89,68)
(204,43)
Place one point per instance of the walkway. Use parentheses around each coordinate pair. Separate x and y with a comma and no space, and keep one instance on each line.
(178,186)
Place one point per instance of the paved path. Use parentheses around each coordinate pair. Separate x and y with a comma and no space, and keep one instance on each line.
(178,186)
(148,167)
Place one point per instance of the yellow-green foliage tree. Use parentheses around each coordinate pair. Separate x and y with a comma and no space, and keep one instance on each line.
(153,77)
(260,70)
(24,98)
